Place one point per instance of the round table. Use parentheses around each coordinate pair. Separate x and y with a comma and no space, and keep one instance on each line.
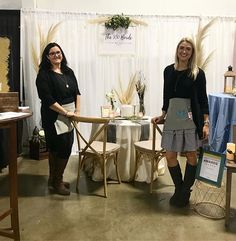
(222,117)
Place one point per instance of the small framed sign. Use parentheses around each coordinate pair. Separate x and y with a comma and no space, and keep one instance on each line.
(210,167)
(106,111)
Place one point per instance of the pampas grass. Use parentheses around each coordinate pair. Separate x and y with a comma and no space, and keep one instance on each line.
(202,33)
(126,96)
(43,41)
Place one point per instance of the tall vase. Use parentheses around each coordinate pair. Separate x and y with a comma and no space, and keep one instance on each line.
(112,105)
(141,106)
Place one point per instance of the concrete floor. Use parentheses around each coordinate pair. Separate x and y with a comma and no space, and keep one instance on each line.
(129,213)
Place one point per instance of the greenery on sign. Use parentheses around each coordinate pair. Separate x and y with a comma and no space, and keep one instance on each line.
(118,21)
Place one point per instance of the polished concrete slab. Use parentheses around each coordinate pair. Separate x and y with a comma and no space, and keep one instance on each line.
(129,213)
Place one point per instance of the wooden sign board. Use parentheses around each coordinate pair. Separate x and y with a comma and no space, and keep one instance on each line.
(234,133)
(9,101)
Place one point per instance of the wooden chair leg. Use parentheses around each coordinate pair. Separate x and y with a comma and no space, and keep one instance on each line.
(228,197)
(152,174)
(105,178)
(78,174)
(137,155)
(117,169)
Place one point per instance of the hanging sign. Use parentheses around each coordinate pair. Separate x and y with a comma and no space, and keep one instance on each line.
(119,41)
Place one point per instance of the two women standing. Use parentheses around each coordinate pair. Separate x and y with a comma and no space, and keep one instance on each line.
(185,111)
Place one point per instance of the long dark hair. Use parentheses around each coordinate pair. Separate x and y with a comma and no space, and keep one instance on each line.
(46,64)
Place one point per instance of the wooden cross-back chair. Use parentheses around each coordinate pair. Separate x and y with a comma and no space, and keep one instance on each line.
(99,151)
(149,150)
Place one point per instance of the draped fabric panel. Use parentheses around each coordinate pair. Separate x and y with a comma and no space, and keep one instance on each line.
(98,74)
(10,29)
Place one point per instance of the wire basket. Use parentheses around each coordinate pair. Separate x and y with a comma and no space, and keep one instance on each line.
(209,201)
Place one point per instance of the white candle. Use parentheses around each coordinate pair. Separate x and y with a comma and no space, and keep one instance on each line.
(112,115)
(231,147)
(126,110)
(140,114)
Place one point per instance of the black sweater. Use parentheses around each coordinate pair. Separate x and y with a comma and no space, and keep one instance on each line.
(52,88)
(178,84)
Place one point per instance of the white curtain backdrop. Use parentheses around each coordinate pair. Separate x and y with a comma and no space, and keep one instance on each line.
(98,74)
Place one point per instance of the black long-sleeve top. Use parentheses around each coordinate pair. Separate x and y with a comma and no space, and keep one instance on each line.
(178,84)
(52,88)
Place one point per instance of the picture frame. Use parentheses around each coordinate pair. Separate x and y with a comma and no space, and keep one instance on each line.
(210,167)
(105,111)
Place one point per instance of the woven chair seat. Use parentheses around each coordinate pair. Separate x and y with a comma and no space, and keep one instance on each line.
(147,145)
(98,146)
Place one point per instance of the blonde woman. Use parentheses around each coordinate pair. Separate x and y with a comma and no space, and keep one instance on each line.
(185,112)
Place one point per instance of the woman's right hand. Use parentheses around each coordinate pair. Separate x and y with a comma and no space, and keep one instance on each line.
(158,120)
(70,114)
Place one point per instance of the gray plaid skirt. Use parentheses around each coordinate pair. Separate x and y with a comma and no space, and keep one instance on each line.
(180,140)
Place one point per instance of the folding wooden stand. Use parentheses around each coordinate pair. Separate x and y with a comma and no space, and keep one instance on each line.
(231,168)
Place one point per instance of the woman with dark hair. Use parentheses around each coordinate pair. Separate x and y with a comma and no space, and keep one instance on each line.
(185,115)
(60,99)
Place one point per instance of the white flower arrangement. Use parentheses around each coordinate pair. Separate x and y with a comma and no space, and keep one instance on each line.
(140,88)
(111,98)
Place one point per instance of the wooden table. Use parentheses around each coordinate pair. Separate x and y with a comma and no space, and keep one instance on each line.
(10,123)
(231,168)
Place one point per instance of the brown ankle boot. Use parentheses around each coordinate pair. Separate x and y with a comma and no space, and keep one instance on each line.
(50,183)
(60,189)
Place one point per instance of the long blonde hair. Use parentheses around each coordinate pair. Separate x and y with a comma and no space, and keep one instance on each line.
(192,63)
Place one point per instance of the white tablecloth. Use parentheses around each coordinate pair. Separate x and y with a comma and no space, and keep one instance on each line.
(128,132)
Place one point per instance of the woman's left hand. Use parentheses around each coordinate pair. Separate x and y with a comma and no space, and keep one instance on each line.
(205,132)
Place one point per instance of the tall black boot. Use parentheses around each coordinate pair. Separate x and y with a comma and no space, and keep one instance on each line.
(59,187)
(189,179)
(176,176)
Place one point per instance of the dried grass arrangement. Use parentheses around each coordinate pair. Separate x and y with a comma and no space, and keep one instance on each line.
(202,33)
(126,96)
(43,41)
